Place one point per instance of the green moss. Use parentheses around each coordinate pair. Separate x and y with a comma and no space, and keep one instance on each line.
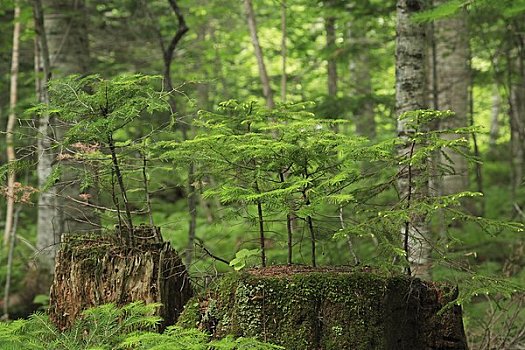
(315,310)
(190,317)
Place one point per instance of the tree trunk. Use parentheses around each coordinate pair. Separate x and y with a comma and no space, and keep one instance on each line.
(65,28)
(263,74)
(516,83)
(361,83)
(494,120)
(67,35)
(453,80)
(47,230)
(331,55)
(410,95)
(13,97)
(283,51)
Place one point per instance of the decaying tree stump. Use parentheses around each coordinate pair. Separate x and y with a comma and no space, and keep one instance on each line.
(92,270)
(330,309)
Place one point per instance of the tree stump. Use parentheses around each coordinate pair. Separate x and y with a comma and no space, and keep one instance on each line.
(304,308)
(92,270)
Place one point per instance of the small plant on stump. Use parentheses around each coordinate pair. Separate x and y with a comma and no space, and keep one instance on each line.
(94,110)
(274,162)
(133,265)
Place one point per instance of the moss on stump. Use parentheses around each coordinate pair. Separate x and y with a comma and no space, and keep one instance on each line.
(92,270)
(302,308)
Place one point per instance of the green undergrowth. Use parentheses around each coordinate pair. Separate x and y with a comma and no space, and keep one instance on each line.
(108,327)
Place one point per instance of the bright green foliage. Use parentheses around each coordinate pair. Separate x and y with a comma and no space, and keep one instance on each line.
(215,62)
(181,339)
(282,161)
(289,161)
(95,108)
(103,327)
(241,257)
(506,8)
(108,327)
(96,115)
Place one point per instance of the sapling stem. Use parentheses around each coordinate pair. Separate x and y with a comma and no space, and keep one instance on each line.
(406,245)
(146,188)
(261,228)
(289,228)
(115,198)
(309,220)
(120,181)
(261,233)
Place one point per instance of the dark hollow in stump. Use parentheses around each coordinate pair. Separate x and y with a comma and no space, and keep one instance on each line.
(332,309)
(92,270)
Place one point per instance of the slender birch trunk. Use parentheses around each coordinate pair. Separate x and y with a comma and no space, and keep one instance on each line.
(11,121)
(47,234)
(410,95)
(263,74)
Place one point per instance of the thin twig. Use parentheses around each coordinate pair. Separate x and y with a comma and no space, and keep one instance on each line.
(210,254)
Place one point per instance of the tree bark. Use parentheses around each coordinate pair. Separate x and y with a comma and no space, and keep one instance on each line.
(47,232)
(453,80)
(283,51)
(516,82)
(361,82)
(263,74)
(494,120)
(65,50)
(410,95)
(331,54)
(13,97)
(66,29)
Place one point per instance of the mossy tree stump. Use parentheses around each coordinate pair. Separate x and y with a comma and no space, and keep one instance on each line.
(332,309)
(98,269)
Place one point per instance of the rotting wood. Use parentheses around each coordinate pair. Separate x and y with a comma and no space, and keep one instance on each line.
(95,270)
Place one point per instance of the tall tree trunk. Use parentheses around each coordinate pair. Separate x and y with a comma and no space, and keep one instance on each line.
(283,51)
(331,54)
(263,74)
(516,82)
(410,95)
(47,233)
(64,36)
(10,222)
(361,83)
(453,80)
(13,97)
(66,28)
(494,120)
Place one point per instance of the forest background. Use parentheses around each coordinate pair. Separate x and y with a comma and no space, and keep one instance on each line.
(335,60)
